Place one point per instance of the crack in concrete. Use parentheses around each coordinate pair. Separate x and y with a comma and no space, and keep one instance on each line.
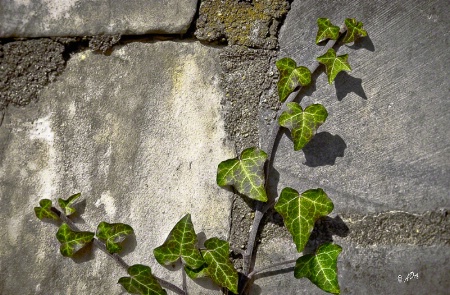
(386,228)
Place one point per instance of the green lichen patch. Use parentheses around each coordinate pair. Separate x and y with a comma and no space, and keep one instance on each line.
(252,24)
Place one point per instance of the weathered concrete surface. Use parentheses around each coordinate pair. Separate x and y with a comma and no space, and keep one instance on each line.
(388,137)
(140,134)
(44,18)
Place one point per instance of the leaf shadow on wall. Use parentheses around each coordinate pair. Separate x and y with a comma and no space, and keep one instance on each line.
(345,84)
(323,149)
(364,42)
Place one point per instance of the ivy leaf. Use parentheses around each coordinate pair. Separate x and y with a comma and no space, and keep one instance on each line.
(72,241)
(112,234)
(354,30)
(200,272)
(334,64)
(141,281)
(218,265)
(302,123)
(321,268)
(301,212)
(181,242)
(45,211)
(66,205)
(326,30)
(245,174)
(291,76)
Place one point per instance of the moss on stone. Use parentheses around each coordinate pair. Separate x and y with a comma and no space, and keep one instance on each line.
(252,24)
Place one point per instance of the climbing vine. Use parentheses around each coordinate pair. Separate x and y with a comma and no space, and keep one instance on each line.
(248,174)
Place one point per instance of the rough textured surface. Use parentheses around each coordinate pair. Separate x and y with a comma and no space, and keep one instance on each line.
(249,23)
(388,173)
(140,134)
(248,77)
(44,18)
(25,68)
(103,43)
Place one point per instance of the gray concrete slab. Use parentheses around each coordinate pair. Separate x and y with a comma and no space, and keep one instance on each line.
(383,149)
(44,18)
(140,134)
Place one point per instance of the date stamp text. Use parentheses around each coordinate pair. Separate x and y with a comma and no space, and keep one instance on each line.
(410,276)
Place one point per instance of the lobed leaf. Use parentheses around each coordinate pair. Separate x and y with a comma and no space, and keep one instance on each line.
(302,124)
(181,242)
(326,30)
(354,30)
(112,234)
(66,205)
(72,241)
(321,268)
(200,272)
(334,64)
(218,265)
(245,174)
(291,77)
(45,211)
(301,212)
(141,281)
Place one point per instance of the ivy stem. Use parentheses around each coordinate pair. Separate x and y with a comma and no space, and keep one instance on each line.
(261,209)
(183,276)
(257,271)
(100,245)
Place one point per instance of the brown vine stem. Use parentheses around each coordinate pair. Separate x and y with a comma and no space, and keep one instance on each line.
(261,208)
(100,245)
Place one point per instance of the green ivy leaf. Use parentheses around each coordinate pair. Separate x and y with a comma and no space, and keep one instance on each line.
(45,211)
(66,205)
(300,213)
(72,241)
(245,174)
(334,64)
(218,265)
(291,77)
(141,281)
(303,124)
(321,268)
(326,30)
(112,234)
(354,30)
(197,273)
(182,241)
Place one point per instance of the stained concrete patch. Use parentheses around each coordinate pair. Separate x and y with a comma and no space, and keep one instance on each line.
(249,23)
(47,18)
(140,134)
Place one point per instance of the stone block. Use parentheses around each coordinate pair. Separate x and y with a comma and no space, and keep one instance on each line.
(50,18)
(140,134)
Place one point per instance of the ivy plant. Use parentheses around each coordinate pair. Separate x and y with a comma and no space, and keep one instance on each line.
(248,174)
